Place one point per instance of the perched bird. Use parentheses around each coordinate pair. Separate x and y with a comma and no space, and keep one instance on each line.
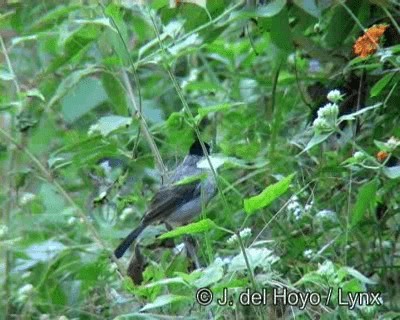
(178,203)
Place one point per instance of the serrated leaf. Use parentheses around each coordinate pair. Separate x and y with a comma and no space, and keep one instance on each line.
(366,198)
(192,228)
(269,194)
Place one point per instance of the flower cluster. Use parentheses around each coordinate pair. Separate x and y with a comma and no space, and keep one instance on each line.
(327,115)
(367,44)
(245,233)
(308,254)
(297,209)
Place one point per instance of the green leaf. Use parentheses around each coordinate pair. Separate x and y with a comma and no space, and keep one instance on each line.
(86,95)
(381,84)
(315,140)
(54,16)
(353,115)
(187,180)
(358,275)
(256,257)
(196,227)
(105,22)
(335,35)
(35,93)
(69,82)
(116,93)
(268,195)
(310,7)
(279,25)
(165,300)
(366,198)
(108,124)
(218,107)
(212,274)
(271,9)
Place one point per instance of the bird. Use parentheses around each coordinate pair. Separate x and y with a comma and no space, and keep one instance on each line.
(178,203)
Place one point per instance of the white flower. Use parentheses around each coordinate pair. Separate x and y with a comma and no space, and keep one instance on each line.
(327,268)
(93,129)
(71,220)
(308,206)
(298,213)
(384,54)
(326,215)
(321,125)
(308,254)
(125,213)
(63,318)
(328,111)
(113,267)
(245,233)
(24,291)
(106,167)
(359,156)
(334,96)
(26,198)
(392,143)
(3,230)
(44,316)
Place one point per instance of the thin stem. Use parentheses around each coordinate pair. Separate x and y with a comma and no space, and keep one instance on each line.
(9,65)
(187,109)
(144,126)
(48,176)
(10,202)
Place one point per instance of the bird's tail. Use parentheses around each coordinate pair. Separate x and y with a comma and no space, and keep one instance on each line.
(124,245)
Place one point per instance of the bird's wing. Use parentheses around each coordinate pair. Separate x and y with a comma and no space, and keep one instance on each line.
(168,199)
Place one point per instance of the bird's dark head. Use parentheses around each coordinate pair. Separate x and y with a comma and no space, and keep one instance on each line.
(197,150)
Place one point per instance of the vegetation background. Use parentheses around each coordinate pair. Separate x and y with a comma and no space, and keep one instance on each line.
(99,98)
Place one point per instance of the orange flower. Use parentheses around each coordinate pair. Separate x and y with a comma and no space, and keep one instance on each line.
(382,155)
(367,44)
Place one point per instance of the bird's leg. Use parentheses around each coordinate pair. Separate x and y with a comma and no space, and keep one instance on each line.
(190,244)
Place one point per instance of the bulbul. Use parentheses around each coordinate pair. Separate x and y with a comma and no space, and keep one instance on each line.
(178,203)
